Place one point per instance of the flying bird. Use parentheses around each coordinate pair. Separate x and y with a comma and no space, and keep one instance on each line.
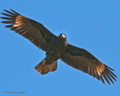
(57,47)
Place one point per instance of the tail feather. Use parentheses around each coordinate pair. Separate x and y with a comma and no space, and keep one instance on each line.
(45,68)
(53,67)
(39,67)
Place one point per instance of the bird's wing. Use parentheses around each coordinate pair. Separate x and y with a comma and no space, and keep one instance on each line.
(30,29)
(86,62)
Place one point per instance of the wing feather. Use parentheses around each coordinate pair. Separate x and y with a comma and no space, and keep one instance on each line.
(86,62)
(30,29)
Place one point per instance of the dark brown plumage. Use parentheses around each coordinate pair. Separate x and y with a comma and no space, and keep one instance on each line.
(57,47)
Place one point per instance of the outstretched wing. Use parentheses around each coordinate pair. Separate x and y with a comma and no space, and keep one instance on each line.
(86,62)
(29,29)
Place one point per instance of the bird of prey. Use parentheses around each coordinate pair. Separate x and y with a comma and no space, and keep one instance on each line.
(57,47)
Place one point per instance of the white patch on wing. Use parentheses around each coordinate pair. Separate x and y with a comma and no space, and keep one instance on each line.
(15,25)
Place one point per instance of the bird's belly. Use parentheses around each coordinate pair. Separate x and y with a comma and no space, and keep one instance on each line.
(55,53)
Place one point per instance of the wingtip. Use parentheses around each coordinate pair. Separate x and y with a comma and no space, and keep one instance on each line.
(5,10)
(2,21)
(14,11)
(11,9)
(2,17)
(2,13)
(110,68)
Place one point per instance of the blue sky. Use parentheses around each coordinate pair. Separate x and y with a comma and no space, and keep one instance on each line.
(90,24)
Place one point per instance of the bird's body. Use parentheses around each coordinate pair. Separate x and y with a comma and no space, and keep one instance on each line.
(57,47)
(55,51)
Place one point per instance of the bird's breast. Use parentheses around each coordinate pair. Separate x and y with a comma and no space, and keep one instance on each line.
(56,49)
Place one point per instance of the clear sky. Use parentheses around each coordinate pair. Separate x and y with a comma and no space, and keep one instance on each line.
(90,24)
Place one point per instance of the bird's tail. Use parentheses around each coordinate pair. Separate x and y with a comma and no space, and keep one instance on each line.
(45,68)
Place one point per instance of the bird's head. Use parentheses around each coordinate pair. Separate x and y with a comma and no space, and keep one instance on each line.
(63,38)
(62,35)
